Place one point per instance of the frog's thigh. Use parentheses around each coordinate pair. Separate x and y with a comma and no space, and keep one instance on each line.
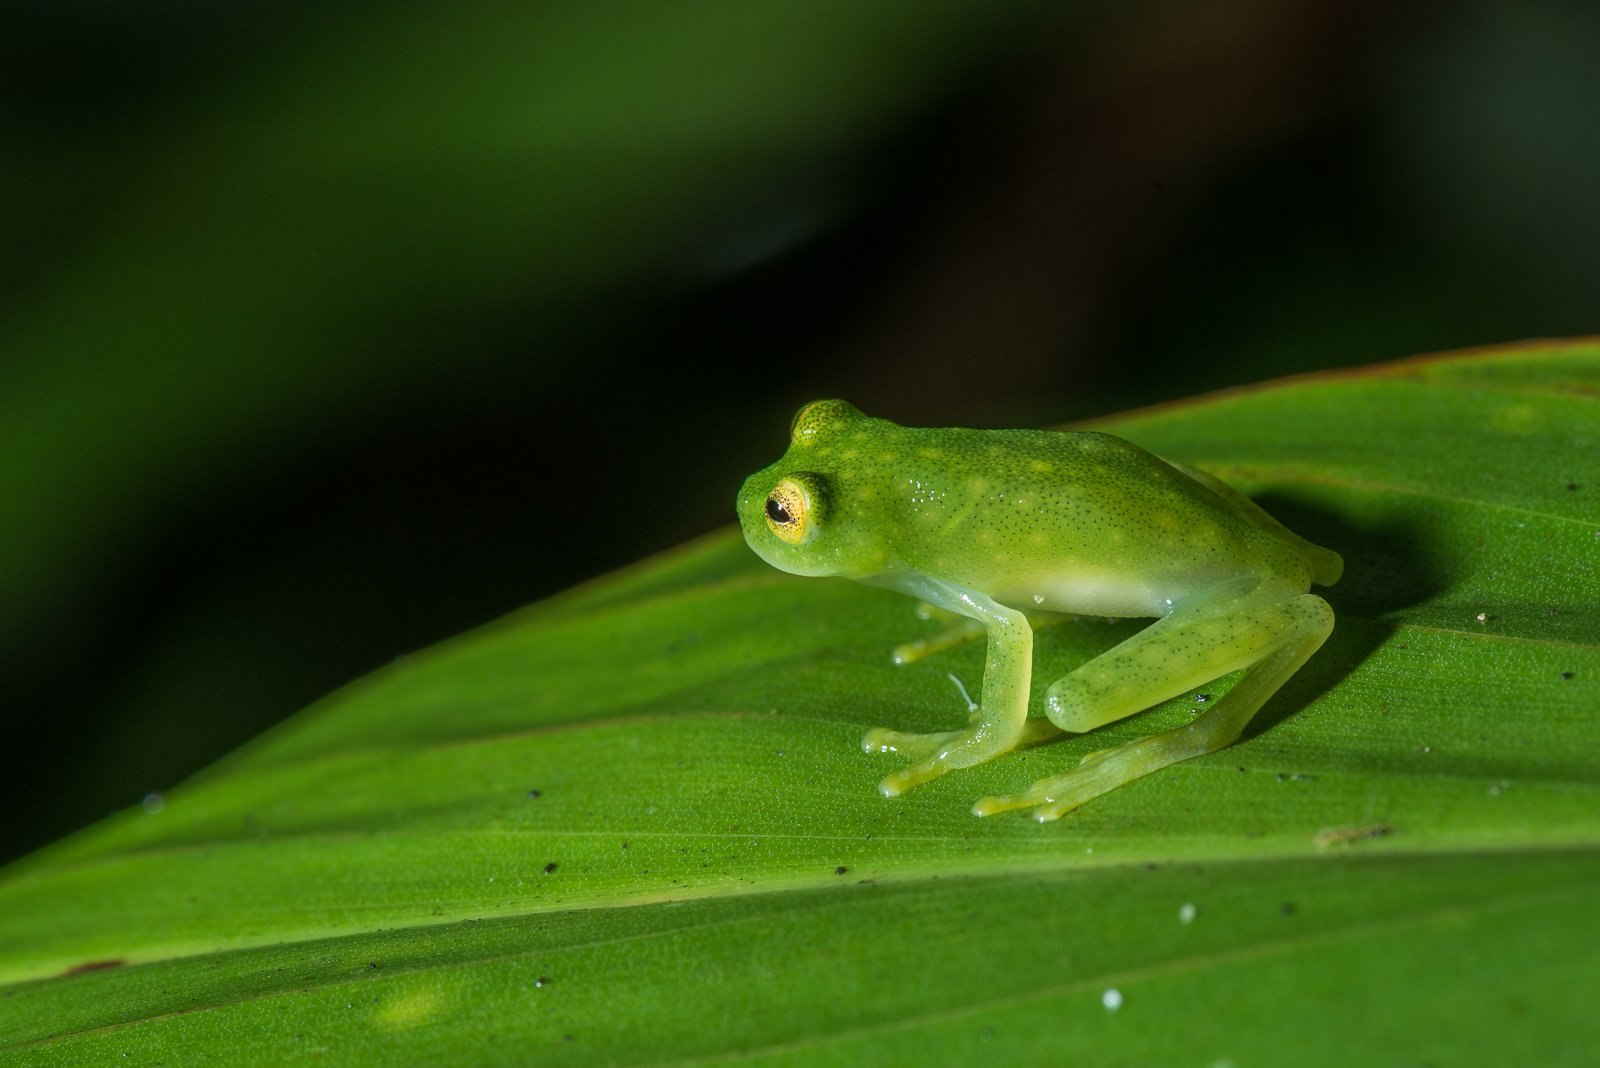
(1299,626)
(1186,649)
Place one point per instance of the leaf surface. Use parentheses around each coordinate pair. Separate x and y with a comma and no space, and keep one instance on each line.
(633,825)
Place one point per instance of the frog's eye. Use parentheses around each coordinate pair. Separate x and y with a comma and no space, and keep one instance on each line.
(789,512)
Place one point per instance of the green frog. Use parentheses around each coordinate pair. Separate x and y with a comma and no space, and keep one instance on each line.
(987,526)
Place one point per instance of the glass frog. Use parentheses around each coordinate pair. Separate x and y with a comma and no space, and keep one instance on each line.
(989,525)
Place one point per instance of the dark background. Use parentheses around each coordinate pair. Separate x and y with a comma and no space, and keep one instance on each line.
(325,335)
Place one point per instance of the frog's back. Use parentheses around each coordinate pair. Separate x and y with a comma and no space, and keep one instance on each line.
(1033,509)
(1036,457)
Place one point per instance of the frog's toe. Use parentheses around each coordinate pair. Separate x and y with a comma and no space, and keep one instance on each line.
(1055,810)
(993,806)
(906,778)
(1046,807)
(911,743)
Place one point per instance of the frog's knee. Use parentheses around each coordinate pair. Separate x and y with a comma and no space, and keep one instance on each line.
(1068,707)
(1315,614)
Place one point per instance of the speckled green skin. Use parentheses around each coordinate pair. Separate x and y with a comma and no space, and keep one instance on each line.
(990,524)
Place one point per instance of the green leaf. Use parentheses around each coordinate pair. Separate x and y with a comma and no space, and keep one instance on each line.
(632,825)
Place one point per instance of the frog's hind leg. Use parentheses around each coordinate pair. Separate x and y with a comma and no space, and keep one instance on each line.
(1266,631)
(1326,565)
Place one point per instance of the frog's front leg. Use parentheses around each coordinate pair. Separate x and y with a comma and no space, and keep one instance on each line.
(999,723)
(1270,630)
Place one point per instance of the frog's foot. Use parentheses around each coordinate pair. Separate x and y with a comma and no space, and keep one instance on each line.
(1038,795)
(944,759)
(911,743)
(1103,771)
(1054,797)
(993,806)
(1106,769)
(949,750)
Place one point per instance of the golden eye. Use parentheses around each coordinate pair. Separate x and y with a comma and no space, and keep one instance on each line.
(789,511)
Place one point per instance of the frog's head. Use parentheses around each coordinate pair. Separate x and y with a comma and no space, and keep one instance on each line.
(804,513)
